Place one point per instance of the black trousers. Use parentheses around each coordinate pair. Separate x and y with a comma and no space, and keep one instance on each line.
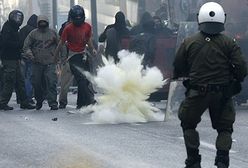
(44,80)
(12,79)
(78,65)
(222,114)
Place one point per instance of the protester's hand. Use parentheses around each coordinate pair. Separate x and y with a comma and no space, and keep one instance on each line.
(94,52)
(101,49)
(29,55)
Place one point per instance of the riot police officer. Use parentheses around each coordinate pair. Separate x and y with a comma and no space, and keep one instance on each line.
(214,66)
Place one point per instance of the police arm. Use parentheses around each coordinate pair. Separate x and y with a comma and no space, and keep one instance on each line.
(180,63)
(238,62)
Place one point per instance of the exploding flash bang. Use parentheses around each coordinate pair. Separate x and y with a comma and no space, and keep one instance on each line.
(125,88)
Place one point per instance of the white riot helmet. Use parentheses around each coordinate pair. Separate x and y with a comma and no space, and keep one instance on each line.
(211,18)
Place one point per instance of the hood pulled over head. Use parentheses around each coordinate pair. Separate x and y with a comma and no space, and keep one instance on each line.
(42,22)
(32,21)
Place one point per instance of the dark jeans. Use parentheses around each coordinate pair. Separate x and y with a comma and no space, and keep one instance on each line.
(28,79)
(12,79)
(77,66)
(44,81)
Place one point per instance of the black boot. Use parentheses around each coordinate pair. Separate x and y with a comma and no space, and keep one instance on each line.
(5,107)
(194,159)
(222,159)
(27,106)
(193,162)
(221,165)
(62,106)
(38,105)
(54,107)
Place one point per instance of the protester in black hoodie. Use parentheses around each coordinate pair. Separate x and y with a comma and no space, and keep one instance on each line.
(113,34)
(27,68)
(11,55)
(31,25)
(145,18)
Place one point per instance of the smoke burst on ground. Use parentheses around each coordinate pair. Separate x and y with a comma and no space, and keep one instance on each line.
(125,88)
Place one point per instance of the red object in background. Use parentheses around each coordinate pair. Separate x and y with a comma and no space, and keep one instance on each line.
(164,57)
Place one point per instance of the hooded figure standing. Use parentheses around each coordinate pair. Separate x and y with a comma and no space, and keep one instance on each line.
(145,18)
(27,70)
(113,34)
(11,56)
(40,46)
(214,66)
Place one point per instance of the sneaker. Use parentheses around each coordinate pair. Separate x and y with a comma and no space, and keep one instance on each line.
(6,107)
(38,106)
(27,106)
(62,106)
(54,107)
(222,159)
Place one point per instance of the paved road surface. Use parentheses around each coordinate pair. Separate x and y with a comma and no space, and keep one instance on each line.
(31,139)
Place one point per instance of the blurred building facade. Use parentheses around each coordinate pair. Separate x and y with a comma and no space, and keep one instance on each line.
(178,10)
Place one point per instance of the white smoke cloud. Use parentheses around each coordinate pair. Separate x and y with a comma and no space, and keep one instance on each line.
(125,88)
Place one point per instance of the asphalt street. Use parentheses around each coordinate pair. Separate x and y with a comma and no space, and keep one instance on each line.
(58,139)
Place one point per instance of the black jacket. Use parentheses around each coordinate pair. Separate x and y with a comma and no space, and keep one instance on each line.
(10,42)
(145,18)
(206,59)
(113,34)
(31,25)
(103,36)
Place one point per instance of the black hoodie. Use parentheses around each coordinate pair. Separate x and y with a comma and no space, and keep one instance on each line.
(31,25)
(10,42)
(119,25)
(113,35)
(145,19)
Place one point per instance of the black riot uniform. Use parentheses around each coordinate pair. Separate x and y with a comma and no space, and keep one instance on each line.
(214,66)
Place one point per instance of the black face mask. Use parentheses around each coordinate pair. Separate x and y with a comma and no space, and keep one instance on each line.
(43,25)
